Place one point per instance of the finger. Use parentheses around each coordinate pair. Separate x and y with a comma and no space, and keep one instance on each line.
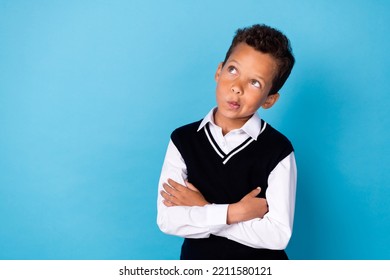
(168,189)
(175,184)
(168,203)
(169,198)
(165,195)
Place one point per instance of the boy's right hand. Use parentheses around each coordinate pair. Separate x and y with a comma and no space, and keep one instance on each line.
(175,194)
(249,207)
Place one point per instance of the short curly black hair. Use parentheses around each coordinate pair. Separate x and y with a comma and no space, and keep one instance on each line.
(271,41)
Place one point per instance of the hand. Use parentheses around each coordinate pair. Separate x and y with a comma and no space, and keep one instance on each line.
(249,207)
(175,194)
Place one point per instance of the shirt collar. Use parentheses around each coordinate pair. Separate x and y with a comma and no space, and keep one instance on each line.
(252,127)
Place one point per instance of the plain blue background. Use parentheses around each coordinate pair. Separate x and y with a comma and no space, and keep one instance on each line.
(91,90)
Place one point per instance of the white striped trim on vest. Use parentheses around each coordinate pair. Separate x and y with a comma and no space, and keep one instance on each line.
(218,150)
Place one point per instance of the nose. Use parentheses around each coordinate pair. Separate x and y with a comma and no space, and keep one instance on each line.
(236,88)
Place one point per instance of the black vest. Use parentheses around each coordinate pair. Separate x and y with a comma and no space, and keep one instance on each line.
(226,178)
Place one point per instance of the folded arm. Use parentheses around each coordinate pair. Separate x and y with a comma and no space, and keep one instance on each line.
(185,221)
(249,207)
(274,230)
(183,211)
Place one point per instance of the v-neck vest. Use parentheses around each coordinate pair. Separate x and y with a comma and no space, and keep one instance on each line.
(226,178)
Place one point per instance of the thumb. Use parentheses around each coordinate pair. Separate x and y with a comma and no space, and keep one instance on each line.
(252,194)
(255,192)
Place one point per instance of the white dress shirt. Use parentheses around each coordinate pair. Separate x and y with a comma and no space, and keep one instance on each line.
(273,231)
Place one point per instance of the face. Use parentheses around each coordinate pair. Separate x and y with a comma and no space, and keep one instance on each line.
(243,84)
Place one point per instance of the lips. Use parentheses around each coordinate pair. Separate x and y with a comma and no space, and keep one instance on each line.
(233,105)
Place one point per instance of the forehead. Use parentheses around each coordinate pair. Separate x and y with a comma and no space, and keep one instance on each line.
(254,61)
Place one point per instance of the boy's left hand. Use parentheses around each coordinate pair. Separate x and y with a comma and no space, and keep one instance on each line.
(176,194)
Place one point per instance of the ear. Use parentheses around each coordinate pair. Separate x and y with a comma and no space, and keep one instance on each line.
(218,72)
(271,100)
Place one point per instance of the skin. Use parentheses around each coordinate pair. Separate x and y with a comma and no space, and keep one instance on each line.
(243,85)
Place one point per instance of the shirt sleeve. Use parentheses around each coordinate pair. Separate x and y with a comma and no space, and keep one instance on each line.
(185,221)
(274,230)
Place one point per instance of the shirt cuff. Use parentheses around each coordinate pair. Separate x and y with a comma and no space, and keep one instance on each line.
(216,215)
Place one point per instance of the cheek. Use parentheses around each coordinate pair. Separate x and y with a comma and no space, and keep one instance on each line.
(218,92)
(219,96)
(220,88)
(255,102)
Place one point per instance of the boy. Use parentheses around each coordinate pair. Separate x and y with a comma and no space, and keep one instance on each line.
(228,182)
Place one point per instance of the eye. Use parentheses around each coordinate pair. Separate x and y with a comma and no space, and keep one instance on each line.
(232,70)
(255,83)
